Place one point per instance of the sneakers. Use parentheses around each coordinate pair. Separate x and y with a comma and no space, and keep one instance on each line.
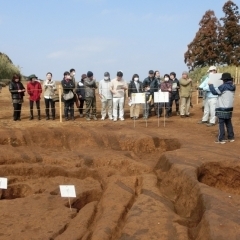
(95,118)
(122,119)
(231,140)
(221,142)
(88,119)
(102,119)
(210,124)
(81,115)
(110,118)
(202,122)
(114,119)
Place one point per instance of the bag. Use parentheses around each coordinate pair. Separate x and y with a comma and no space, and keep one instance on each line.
(68,96)
(55,98)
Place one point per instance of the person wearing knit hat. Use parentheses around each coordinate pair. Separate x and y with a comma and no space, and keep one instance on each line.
(106,96)
(80,91)
(90,86)
(118,87)
(185,93)
(210,101)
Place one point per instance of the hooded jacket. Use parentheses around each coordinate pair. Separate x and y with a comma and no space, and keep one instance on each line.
(225,93)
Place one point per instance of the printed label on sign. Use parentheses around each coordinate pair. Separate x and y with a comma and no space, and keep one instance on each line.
(161,97)
(67,191)
(3,183)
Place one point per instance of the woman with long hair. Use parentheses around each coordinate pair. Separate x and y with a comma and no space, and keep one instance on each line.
(17,90)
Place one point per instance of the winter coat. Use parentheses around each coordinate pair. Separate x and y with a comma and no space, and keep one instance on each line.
(104,89)
(49,88)
(175,91)
(89,86)
(132,88)
(185,88)
(14,87)
(67,85)
(80,91)
(166,86)
(152,83)
(225,93)
(34,90)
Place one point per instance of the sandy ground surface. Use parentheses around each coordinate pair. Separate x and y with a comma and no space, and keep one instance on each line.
(132,183)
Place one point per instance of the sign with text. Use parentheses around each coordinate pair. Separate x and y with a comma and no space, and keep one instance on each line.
(3,183)
(138,98)
(161,97)
(67,191)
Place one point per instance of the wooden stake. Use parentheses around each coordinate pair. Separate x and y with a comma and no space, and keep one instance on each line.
(60,102)
(197,94)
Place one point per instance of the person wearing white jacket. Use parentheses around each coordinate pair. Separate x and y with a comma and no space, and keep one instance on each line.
(106,96)
(49,87)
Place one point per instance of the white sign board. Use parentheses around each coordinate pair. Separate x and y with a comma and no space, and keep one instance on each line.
(3,183)
(161,97)
(138,98)
(215,79)
(67,191)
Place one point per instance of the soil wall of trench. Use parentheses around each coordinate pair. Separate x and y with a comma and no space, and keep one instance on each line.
(128,186)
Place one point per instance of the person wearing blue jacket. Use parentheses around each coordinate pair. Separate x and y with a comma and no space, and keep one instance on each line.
(224,108)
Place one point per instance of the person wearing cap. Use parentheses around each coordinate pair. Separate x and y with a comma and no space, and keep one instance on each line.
(135,86)
(49,90)
(118,87)
(152,82)
(68,85)
(210,101)
(80,91)
(90,86)
(185,94)
(17,91)
(224,109)
(106,96)
(175,93)
(34,89)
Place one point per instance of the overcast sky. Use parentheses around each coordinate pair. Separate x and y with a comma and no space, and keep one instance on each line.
(100,35)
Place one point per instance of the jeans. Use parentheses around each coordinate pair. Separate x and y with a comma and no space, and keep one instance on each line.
(31,107)
(176,103)
(228,123)
(116,102)
(48,103)
(146,108)
(17,111)
(69,108)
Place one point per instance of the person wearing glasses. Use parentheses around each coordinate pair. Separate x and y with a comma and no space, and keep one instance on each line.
(210,102)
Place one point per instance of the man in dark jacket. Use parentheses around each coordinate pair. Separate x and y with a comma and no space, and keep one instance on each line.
(90,86)
(152,82)
(81,93)
(224,107)
(175,93)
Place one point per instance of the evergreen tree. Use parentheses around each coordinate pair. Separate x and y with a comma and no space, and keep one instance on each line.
(229,35)
(203,50)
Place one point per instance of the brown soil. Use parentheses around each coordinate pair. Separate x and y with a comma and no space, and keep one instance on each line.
(141,183)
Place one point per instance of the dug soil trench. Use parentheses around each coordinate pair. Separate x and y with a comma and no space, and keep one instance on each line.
(132,183)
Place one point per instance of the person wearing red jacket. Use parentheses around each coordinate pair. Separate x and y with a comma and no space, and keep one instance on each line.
(34,89)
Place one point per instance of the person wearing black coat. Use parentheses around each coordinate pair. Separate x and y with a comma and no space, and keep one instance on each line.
(81,93)
(17,90)
(135,86)
(175,93)
(68,85)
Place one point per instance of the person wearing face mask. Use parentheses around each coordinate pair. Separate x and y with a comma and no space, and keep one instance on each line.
(152,82)
(17,90)
(68,85)
(81,93)
(210,101)
(165,86)
(175,93)
(118,87)
(72,75)
(106,96)
(49,90)
(135,86)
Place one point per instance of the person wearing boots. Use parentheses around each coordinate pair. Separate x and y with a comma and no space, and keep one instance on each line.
(68,85)
(17,90)
(49,90)
(175,93)
(166,86)
(34,90)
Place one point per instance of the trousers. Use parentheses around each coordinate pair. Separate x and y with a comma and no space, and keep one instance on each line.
(134,110)
(116,102)
(185,105)
(91,105)
(221,134)
(17,111)
(209,110)
(107,108)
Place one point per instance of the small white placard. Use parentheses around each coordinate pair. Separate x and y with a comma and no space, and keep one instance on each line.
(3,183)
(161,97)
(67,191)
(138,98)
(215,79)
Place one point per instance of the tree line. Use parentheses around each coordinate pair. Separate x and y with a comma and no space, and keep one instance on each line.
(217,42)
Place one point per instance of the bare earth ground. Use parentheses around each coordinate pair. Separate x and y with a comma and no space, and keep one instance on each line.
(141,183)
